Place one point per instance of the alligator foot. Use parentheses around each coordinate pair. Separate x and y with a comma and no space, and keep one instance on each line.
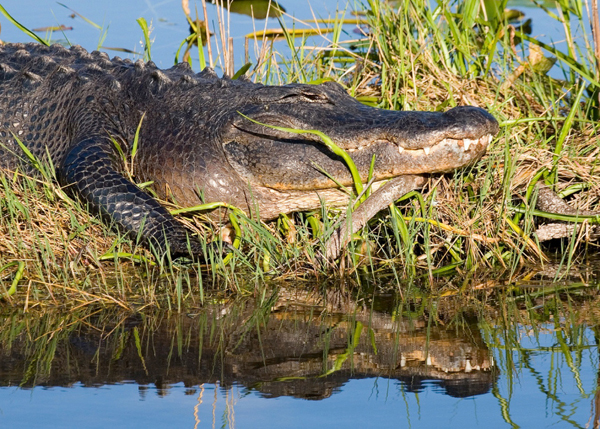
(548,201)
(376,202)
(177,243)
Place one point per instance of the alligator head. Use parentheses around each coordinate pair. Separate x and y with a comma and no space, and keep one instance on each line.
(289,172)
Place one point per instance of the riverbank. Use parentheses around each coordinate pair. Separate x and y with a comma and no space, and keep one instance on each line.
(476,222)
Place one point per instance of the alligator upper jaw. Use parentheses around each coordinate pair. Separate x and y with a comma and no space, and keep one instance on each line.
(301,165)
(355,130)
(401,143)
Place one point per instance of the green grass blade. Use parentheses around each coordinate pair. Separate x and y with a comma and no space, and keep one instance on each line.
(564,132)
(146,31)
(18,276)
(22,27)
(329,143)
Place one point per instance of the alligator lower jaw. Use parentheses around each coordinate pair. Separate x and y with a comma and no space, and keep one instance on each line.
(272,203)
(447,155)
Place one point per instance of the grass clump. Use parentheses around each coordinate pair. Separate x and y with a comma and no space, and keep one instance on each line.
(414,56)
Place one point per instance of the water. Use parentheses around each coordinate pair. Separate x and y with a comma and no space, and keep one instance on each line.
(170,28)
(297,364)
(168,22)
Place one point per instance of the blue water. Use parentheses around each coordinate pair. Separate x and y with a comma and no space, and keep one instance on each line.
(540,387)
(170,28)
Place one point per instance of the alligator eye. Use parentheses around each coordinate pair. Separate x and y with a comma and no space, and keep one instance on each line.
(309,97)
(314,97)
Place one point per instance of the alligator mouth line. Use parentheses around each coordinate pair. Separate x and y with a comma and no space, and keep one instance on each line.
(457,144)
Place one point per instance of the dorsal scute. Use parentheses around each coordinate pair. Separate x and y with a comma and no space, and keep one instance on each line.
(6,71)
(100,55)
(58,65)
(61,74)
(92,69)
(160,76)
(182,67)
(102,59)
(29,79)
(208,73)
(186,81)
(42,63)
(80,51)
(158,81)
(33,77)
(21,56)
(244,78)
(63,70)
(140,66)
(113,84)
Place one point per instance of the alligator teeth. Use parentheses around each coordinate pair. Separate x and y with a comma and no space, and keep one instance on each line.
(400,149)
(427,150)
(469,142)
(468,367)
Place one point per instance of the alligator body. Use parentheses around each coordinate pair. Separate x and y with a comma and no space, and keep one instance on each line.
(196,143)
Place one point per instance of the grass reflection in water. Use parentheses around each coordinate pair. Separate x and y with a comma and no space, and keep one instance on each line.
(539,349)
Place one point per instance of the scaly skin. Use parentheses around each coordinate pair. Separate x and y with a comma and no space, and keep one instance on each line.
(67,105)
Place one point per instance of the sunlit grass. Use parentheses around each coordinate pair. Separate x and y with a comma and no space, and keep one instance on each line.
(411,56)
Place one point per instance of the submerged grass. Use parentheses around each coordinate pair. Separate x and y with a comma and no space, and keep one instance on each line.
(474,222)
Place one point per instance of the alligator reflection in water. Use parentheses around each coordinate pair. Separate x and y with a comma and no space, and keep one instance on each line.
(292,352)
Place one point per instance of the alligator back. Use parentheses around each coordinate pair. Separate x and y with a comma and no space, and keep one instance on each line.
(69,107)
(50,95)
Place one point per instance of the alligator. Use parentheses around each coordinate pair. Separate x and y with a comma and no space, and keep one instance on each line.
(203,139)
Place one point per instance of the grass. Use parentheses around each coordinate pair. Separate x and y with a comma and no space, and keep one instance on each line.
(475,222)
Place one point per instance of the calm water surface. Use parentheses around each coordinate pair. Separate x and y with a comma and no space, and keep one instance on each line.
(378,362)
(170,28)
(168,22)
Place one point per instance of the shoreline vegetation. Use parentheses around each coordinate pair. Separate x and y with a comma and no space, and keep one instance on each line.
(471,230)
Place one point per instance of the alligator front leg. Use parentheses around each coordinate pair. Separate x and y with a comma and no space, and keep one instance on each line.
(376,202)
(90,170)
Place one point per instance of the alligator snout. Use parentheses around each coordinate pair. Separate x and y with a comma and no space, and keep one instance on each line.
(470,122)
